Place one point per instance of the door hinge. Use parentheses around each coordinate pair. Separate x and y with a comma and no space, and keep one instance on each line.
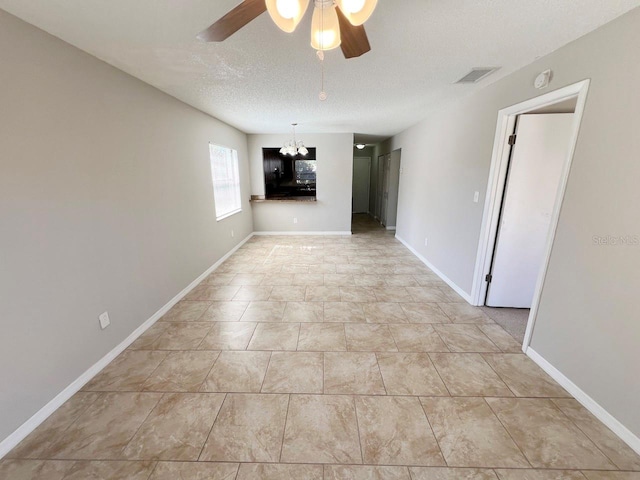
(512,139)
(488,278)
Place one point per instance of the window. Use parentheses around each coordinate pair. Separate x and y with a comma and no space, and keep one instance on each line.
(289,177)
(226,181)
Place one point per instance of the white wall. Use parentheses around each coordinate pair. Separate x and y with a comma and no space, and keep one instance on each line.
(332,211)
(587,325)
(105,204)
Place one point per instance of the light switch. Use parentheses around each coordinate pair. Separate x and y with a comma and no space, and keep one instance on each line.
(476,197)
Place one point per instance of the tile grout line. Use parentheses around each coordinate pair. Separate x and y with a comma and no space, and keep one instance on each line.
(435,437)
(153,470)
(386,392)
(324,359)
(266,370)
(439,375)
(158,366)
(507,430)
(355,411)
(557,407)
(356,256)
(203,337)
(515,395)
(284,428)
(215,360)
(84,410)
(235,477)
(204,444)
(162,396)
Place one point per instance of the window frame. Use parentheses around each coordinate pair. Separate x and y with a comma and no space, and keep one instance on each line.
(236,175)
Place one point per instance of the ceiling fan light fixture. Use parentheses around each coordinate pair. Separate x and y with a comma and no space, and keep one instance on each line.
(325,27)
(357,11)
(287,14)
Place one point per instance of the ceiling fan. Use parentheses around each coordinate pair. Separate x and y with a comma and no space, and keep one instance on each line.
(336,23)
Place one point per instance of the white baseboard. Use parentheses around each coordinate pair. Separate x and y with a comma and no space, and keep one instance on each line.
(446,279)
(587,402)
(293,234)
(41,415)
(391,228)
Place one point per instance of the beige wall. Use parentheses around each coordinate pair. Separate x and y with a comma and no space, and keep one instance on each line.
(105,204)
(587,325)
(332,211)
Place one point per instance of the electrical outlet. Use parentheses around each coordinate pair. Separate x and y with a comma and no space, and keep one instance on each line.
(232,234)
(476,197)
(104,320)
(295,220)
(426,242)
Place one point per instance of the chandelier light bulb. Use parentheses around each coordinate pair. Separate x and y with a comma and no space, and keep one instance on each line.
(357,11)
(325,37)
(288,8)
(325,28)
(287,14)
(353,6)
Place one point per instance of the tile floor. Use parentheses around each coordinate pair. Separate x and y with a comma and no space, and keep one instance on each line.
(320,357)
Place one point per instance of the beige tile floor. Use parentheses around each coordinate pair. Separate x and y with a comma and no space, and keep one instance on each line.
(321,357)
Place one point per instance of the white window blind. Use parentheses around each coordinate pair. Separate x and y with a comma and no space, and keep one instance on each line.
(226,181)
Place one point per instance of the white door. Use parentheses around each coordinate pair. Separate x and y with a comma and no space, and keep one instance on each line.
(361,178)
(385,190)
(392,188)
(380,187)
(537,159)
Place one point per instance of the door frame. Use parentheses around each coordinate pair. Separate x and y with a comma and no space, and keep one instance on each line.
(496,184)
(384,203)
(379,188)
(368,159)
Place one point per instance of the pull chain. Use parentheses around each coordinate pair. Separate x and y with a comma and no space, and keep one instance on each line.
(323,94)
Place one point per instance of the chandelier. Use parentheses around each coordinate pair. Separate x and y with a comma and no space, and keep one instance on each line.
(293,147)
(325,26)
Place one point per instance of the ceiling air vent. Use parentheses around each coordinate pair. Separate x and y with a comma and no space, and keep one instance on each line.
(476,74)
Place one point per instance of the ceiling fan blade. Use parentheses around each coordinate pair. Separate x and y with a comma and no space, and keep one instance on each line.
(354,39)
(233,21)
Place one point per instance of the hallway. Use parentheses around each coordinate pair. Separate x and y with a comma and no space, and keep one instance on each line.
(364,224)
(322,357)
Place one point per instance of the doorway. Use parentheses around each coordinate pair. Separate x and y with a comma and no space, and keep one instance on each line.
(540,146)
(390,189)
(520,212)
(360,186)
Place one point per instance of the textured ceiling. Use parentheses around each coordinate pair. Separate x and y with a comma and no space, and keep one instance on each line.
(261,79)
